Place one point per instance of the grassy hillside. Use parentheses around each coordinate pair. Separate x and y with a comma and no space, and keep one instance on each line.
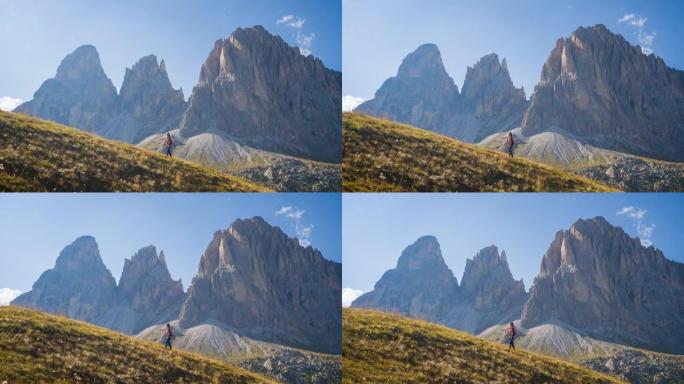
(386,348)
(41,348)
(381,155)
(37,155)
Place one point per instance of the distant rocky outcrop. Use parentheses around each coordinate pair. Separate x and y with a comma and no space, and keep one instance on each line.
(421,94)
(146,294)
(257,90)
(264,285)
(148,103)
(606,285)
(80,95)
(79,286)
(598,88)
(422,286)
(489,102)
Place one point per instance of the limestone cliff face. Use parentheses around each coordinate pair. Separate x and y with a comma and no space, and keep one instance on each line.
(597,279)
(263,93)
(421,94)
(420,286)
(262,284)
(147,103)
(489,102)
(80,95)
(598,88)
(79,286)
(146,294)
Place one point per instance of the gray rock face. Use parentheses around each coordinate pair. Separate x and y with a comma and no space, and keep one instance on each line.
(263,93)
(79,286)
(147,103)
(598,88)
(80,95)
(422,286)
(489,102)
(146,294)
(489,287)
(603,283)
(264,285)
(421,94)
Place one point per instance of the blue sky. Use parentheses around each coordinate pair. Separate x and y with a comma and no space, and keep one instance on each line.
(35,35)
(34,228)
(378,34)
(377,227)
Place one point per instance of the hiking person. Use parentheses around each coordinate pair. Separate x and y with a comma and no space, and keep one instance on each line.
(168,144)
(510,332)
(168,334)
(510,143)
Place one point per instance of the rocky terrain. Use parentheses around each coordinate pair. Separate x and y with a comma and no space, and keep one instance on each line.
(637,366)
(291,174)
(264,285)
(606,285)
(635,174)
(600,89)
(422,286)
(297,367)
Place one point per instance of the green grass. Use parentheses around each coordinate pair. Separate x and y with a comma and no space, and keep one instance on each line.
(40,348)
(387,348)
(381,155)
(38,155)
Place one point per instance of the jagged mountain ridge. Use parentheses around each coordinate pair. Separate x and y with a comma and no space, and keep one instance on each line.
(422,286)
(82,96)
(81,287)
(422,94)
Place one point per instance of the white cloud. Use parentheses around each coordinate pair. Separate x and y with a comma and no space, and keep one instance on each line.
(303,232)
(350,102)
(645,38)
(304,40)
(349,295)
(644,231)
(7,295)
(633,212)
(9,103)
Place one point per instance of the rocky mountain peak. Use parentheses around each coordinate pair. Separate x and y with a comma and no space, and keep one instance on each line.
(488,266)
(262,283)
(257,90)
(423,254)
(146,267)
(603,91)
(81,65)
(82,254)
(487,78)
(603,282)
(424,62)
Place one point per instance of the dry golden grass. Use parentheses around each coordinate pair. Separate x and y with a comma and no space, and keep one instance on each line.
(41,156)
(387,348)
(40,348)
(382,156)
